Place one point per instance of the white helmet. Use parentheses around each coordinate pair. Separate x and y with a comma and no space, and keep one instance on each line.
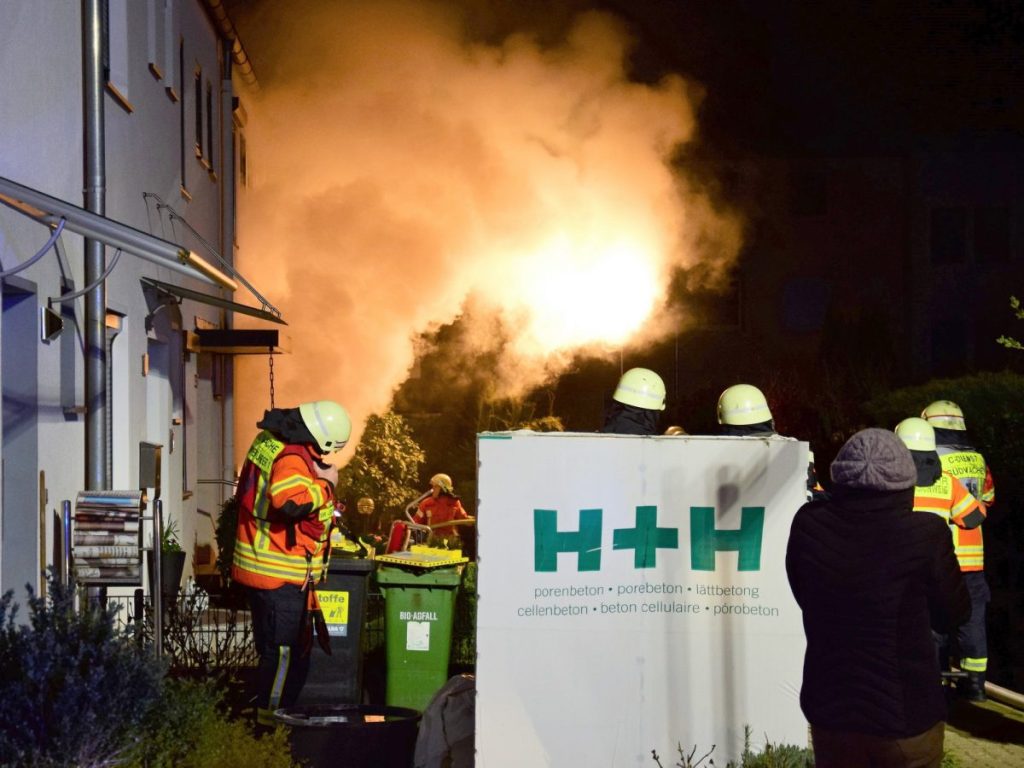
(917,434)
(743,404)
(443,481)
(328,423)
(945,414)
(642,388)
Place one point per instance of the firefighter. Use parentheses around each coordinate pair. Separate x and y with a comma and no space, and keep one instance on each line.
(938,492)
(961,459)
(286,501)
(637,403)
(743,412)
(439,507)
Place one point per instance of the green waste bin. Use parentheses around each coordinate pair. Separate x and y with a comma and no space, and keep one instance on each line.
(418,611)
(338,678)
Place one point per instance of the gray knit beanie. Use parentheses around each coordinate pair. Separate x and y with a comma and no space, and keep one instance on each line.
(876,460)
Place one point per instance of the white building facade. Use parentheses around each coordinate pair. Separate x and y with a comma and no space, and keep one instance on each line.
(149,155)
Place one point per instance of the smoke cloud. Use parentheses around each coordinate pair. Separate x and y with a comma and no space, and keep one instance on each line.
(403,173)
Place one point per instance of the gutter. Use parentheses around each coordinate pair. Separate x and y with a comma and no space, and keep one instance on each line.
(228,30)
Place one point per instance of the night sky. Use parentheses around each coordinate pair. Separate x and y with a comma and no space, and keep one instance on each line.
(840,77)
(798,76)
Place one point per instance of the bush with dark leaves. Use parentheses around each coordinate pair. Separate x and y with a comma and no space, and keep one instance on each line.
(73,690)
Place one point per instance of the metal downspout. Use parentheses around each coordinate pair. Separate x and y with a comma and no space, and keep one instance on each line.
(95,259)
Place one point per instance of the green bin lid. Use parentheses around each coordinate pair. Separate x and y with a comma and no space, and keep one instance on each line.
(426,560)
(429,577)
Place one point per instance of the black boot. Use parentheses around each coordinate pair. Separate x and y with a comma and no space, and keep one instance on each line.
(974,687)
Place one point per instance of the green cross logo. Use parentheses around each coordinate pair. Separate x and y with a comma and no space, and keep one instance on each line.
(645,538)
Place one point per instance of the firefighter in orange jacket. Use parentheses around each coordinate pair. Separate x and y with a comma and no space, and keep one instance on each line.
(961,459)
(439,507)
(941,493)
(286,507)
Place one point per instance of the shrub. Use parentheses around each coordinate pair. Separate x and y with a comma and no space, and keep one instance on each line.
(226,528)
(463,649)
(188,728)
(72,688)
(772,756)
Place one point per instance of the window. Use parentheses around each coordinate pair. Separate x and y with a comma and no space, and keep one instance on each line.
(116,415)
(243,161)
(170,65)
(948,235)
(209,126)
(181,134)
(240,171)
(198,91)
(114,49)
(155,37)
(991,235)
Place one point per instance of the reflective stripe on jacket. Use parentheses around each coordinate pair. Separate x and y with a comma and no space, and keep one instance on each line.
(270,548)
(949,499)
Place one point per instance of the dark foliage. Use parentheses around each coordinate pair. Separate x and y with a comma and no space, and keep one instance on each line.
(72,688)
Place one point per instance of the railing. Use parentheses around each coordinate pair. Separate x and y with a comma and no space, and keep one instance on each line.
(198,637)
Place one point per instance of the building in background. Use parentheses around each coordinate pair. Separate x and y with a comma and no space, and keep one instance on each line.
(122,123)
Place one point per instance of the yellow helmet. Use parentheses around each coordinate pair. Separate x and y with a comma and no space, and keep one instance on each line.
(442,481)
(945,414)
(917,434)
(743,404)
(641,387)
(328,423)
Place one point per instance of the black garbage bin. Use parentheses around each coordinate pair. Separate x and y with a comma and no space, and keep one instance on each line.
(353,736)
(338,678)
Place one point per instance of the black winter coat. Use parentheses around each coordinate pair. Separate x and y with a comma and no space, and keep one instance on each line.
(873,578)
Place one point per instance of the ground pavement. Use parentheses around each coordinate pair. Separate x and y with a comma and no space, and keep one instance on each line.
(988,735)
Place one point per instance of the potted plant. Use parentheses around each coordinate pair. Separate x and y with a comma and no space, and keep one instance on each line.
(172,563)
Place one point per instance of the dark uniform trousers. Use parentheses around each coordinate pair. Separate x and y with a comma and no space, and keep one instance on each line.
(277,616)
(842,749)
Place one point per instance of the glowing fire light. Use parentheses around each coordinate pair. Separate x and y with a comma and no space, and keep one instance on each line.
(411,169)
(577,292)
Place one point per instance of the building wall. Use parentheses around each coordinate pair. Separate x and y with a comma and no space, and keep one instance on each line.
(160,392)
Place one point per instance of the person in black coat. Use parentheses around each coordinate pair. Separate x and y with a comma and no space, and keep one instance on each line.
(873,579)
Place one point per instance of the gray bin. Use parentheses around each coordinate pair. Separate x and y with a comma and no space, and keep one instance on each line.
(338,678)
(353,736)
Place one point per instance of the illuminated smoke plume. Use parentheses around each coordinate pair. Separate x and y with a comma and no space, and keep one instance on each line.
(400,170)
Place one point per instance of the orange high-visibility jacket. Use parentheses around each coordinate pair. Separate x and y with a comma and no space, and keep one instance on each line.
(271,549)
(949,499)
(433,511)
